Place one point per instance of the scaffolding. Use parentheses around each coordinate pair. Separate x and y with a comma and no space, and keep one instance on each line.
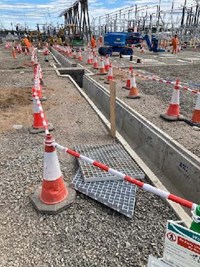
(77,18)
(183,21)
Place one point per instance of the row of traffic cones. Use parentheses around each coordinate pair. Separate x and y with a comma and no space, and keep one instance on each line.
(173,111)
(54,194)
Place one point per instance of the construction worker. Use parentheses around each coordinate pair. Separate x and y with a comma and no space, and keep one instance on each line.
(93,42)
(26,42)
(175,43)
(100,41)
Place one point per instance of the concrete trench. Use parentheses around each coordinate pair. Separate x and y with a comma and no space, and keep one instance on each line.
(176,167)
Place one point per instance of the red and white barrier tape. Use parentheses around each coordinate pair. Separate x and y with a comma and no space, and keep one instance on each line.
(144,186)
(153,78)
(35,95)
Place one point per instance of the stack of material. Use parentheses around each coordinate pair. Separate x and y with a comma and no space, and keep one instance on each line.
(105,187)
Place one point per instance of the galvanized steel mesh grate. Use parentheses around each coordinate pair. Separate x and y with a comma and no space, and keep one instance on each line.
(118,195)
(113,155)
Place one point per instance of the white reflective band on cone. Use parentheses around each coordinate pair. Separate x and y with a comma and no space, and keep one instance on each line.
(155,191)
(51,170)
(36,108)
(197,106)
(175,97)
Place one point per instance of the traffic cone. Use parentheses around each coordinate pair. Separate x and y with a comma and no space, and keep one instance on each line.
(38,119)
(110,75)
(102,70)
(195,120)
(133,93)
(38,82)
(74,55)
(173,111)
(80,58)
(128,81)
(89,60)
(107,63)
(54,195)
(14,53)
(95,64)
(195,226)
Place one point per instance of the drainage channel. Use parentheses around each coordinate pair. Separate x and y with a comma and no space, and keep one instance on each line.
(154,151)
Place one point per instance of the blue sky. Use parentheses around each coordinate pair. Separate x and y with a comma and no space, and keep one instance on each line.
(31,12)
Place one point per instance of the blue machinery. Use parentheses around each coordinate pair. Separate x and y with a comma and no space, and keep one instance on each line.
(120,42)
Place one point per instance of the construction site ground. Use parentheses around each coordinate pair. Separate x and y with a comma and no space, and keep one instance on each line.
(88,233)
(156,96)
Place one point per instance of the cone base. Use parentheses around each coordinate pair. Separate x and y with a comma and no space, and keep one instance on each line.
(55,208)
(192,123)
(133,96)
(104,73)
(172,118)
(41,98)
(125,87)
(108,82)
(40,130)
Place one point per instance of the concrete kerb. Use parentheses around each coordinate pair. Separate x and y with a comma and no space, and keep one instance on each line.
(183,164)
(181,213)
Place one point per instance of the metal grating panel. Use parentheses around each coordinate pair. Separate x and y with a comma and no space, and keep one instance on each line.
(113,155)
(118,195)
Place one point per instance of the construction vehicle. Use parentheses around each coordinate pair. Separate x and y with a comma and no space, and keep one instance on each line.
(122,41)
(115,42)
(153,44)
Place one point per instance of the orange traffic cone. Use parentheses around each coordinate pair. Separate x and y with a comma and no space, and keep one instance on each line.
(74,55)
(38,119)
(102,70)
(89,60)
(14,53)
(128,81)
(110,75)
(173,111)
(95,64)
(133,94)
(107,63)
(195,120)
(80,58)
(54,195)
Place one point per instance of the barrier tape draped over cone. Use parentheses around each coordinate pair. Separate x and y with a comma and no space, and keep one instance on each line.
(102,70)
(128,82)
(110,75)
(40,123)
(173,111)
(54,195)
(133,93)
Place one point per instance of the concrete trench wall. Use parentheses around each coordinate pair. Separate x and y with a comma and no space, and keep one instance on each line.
(159,151)
(167,158)
(62,59)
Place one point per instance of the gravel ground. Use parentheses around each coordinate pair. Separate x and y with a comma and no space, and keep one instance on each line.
(155,98)
(88,233)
